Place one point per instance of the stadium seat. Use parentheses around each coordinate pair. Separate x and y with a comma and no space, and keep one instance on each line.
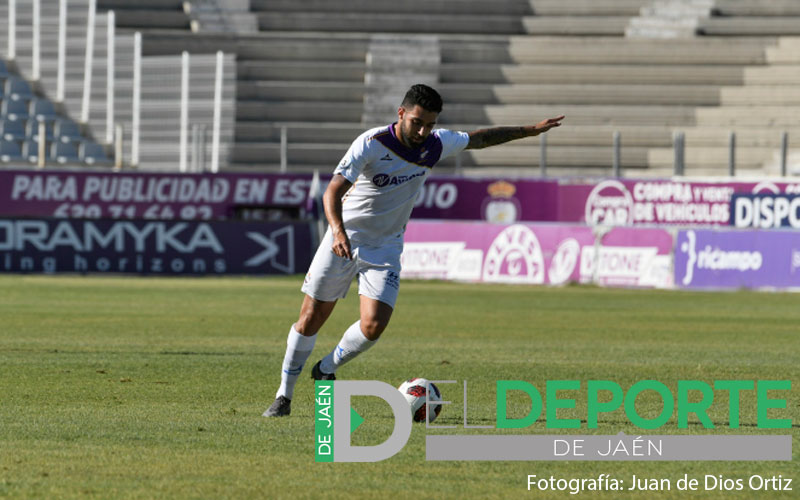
(92,153)
(18,88)
(67,130)
(30,150)
(4,73)
(15,109)
(32,129)
(12,130)
(64,152)
(41,108)
(9,151)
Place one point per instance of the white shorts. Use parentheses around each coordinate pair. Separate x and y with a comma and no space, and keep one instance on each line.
(378,270)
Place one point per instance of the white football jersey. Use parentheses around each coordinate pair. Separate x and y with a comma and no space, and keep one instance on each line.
(387,177)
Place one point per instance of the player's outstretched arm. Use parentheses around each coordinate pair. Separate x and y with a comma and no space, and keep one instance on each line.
(486,137)
(332,202)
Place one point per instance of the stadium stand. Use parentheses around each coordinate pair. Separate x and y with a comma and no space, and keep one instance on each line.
(317,69)
(27,102)
(160,99)
(313,83)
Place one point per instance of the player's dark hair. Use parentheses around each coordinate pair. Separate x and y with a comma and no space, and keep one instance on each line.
(424,97)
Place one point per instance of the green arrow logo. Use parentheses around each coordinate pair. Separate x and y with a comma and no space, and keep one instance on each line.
(355,420)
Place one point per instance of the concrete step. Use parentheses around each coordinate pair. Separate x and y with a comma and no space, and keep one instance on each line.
(152,19)
(297,110)
(141,4)
(756,8)
(288,48)
(606,50)
(327,156)
(626,8)
(714,157)
(761,95)
(293,71)
(492,94)
(298,132)
(472,7)
(750,26)
(789,42)
(447,7)
(783,55)
(772,75)
(389,23)
(576,114)
(570,93)
(300,91)
(752,116)
(572,26)
(591,73)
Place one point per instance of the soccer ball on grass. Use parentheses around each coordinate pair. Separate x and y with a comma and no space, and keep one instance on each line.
(414,390)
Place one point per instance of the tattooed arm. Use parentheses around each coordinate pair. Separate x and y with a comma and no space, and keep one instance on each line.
(486,137)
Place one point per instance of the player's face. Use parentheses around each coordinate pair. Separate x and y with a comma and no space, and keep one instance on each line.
(415,125)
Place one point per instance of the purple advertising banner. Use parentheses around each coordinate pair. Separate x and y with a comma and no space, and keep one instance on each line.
(653,202)
(498,200)
(160,196)
(536,254)
(156,196)
(737,259)
(153,247)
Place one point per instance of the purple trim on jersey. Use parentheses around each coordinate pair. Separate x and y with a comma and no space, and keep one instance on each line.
(425,156)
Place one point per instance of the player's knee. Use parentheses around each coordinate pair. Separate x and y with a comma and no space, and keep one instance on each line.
(313,315)
(372,328)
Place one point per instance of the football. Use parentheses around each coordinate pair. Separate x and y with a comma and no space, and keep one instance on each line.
(414,390)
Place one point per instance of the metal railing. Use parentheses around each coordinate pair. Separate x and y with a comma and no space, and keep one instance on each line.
(678,146)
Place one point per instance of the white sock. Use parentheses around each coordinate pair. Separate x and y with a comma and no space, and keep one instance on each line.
(352,344)
(298,349)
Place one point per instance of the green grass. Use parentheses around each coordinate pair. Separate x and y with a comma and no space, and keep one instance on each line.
(154,388)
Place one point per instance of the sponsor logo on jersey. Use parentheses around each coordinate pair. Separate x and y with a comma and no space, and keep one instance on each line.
(382,180)
(393,280)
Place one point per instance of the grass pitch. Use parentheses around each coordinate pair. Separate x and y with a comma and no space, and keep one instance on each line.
(154,388)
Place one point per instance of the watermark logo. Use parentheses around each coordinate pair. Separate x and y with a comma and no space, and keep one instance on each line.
(335,420)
